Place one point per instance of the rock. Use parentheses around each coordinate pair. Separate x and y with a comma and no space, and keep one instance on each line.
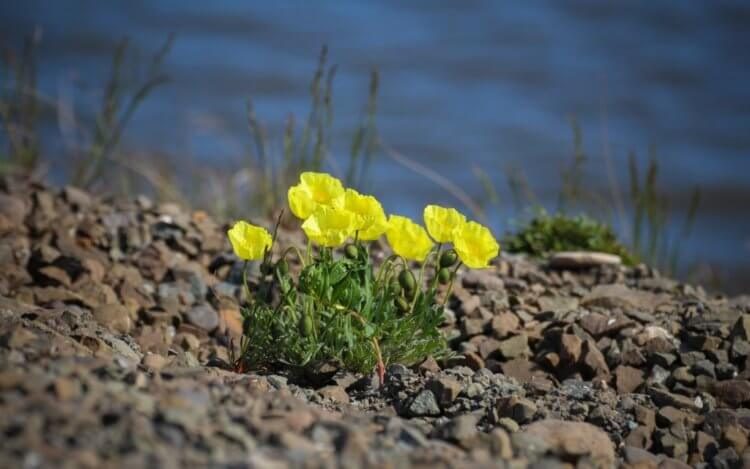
(514,347)
(582,259)
(620,296)
(114,316)
(203,316)
(504,324)
(445,389)
(557,304)
(570,348)
(154,361)
(639,457)
(665,398)
(335,393)
(500,444)
(461,430)
(741,329)
(519,409)
(423,404)
(575,440)
(628,379)
(733,392)
(593,363)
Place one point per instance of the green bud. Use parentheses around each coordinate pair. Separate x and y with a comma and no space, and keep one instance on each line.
(444,276)
(395,287)
(351,251)
(282,267)
(306,325)
(407,281)
(401,304)
(448,258)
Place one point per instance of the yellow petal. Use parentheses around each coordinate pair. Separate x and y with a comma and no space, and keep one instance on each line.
(313,190)
(475,245)
(373,222)
(330,227)
(441,222)
(249,242)
(408,239)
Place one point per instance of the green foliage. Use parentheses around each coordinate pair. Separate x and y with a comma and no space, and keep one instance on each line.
(546,234)
(309,149)
(340,311)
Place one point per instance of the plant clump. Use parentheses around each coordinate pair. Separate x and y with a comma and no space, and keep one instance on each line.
(546,234)
(339,307)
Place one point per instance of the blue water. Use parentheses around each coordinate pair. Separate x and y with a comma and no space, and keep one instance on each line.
(470,83)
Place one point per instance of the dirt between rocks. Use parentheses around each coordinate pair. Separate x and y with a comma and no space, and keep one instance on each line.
(117,320)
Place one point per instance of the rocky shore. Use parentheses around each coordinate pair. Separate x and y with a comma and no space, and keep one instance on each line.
(118,322)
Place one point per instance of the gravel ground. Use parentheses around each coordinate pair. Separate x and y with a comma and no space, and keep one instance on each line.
(118,320)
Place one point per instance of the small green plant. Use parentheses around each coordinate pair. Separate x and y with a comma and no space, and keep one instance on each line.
(340,308)
(546,234)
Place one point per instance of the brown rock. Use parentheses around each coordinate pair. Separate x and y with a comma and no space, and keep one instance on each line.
(570,348)
(592,362)
(429,365)
(628,379)
(334,393)
(575,439)
(736,437)
(733,392)
(232,319)
(114,317)
(445,389)
(514,347)
(620,296)
(504,324)
(582,259)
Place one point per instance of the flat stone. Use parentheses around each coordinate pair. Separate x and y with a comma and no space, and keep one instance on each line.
(582,259)
(504,324)
(620,296)
(557,304)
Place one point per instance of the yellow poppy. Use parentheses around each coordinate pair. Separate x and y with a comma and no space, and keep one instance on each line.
(442,221)
(408,239)
(330,227)
(315,189)
(372,220)
(475,245)
(249,242)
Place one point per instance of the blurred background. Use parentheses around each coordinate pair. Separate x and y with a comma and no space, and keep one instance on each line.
(636,114)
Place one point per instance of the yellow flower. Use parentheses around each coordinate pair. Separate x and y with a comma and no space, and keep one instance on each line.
(249,242)
(475,245)
(408,239)
(315,189)
(441,222)
(330,227)
(372,220)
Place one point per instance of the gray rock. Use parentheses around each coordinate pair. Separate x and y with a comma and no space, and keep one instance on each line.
(423,404)
(203,316)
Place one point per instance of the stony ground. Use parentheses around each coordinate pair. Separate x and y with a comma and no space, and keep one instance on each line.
(118,319)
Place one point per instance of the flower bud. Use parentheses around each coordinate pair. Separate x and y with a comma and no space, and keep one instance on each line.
(444,276)
(306,325)
(401,304)
(395,287)
(282,266)
(407,281)
(448,258)
(351,251)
